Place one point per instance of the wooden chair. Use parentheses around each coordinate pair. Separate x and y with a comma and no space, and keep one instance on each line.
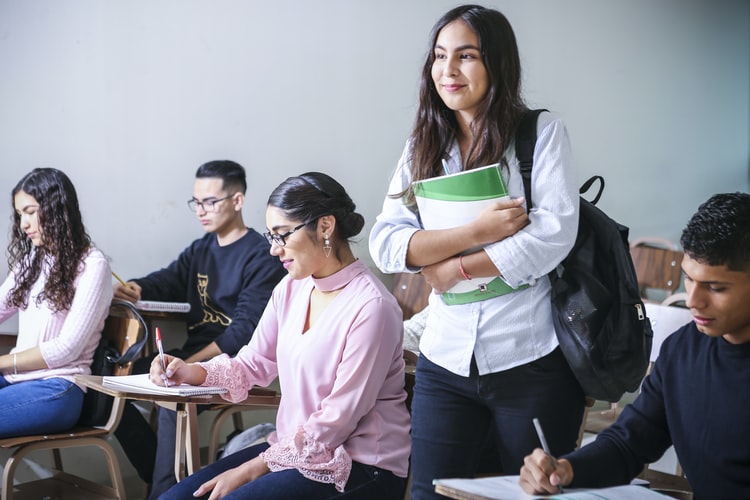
(123,327)
(411,291)
(657,264)
(7,340)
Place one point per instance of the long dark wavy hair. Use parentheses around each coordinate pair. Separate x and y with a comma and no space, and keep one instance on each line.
(312,195)
(496,122)
(65,241)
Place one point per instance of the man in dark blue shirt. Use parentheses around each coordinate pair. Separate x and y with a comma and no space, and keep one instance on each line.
(697,396)
(227,277)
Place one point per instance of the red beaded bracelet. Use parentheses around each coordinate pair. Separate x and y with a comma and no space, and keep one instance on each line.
(461,268)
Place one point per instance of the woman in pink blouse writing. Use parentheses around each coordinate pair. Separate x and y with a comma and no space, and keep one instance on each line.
(61,288)
(333,335)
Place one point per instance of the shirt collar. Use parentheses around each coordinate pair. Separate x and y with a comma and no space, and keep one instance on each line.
(340,278)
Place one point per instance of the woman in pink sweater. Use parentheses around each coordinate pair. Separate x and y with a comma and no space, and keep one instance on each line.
(332,334)
(61,288)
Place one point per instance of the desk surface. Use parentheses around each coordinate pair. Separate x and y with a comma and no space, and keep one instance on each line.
(256,396)
(187,455)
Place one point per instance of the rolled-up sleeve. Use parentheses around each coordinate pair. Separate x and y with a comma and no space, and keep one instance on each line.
(394,227)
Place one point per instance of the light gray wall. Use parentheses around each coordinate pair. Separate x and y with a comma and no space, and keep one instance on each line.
(129,97)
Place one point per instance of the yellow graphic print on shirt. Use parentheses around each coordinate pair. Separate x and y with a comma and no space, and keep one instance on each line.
(210,315)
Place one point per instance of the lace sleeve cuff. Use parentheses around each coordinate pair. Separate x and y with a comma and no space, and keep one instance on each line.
(219,372)
(312,459)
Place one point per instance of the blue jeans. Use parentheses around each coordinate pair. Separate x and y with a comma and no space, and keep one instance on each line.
(453,417)
(38,406)
(365,482)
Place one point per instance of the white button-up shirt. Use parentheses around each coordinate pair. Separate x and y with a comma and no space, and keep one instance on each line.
(515,328)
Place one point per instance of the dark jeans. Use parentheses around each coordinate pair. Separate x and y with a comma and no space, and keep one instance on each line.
(365,482)
(452,417)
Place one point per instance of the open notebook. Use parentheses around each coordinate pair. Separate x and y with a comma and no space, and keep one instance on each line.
(142,384)
(157,305)
(507,488)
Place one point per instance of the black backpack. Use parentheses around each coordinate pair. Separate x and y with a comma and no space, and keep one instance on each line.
(599,317)
(97,406)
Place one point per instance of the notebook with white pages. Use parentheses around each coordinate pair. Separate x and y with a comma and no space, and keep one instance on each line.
(160,306)
(453,200)
(142,384)
(507,488)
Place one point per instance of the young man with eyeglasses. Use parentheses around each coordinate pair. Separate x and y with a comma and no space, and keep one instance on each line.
(227,277)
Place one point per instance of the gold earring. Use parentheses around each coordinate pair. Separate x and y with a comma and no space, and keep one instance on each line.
(327,246)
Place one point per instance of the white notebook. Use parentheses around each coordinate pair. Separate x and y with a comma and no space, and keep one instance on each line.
(142,384)
(456,199)
(507,488)
(157,305)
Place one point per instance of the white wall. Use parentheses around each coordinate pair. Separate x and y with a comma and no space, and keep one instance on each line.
(129,97)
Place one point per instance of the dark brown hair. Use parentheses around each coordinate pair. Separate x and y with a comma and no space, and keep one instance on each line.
(312,195)
(495,125)
(65,241)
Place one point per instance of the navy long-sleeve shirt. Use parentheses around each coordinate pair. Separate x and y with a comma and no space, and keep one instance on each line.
(227,288)
(697,398)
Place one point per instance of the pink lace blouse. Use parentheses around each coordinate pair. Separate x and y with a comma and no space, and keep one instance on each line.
(342,381)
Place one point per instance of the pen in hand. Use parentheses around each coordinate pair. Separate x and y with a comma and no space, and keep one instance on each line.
(545,446)
(159,346)
(122,282)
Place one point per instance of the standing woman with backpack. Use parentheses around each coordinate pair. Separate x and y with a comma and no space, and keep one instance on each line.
(489,366)
(61,288)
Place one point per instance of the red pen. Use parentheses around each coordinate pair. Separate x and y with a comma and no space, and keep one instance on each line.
(161,356)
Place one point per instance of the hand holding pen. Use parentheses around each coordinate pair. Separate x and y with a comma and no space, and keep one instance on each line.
(129,291)
(159,346)
(546,448)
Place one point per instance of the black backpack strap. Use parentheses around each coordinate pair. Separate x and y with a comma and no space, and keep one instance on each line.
(134,351)
(587,185)
(525,142)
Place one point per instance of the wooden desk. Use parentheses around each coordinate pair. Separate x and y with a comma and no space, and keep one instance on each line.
(187,449)
(457,494)
(486,488)
(166,315)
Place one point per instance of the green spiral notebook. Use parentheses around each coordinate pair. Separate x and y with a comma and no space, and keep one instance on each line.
(453,200)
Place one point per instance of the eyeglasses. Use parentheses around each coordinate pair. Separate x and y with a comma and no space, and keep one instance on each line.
(280,239)
(206,205)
